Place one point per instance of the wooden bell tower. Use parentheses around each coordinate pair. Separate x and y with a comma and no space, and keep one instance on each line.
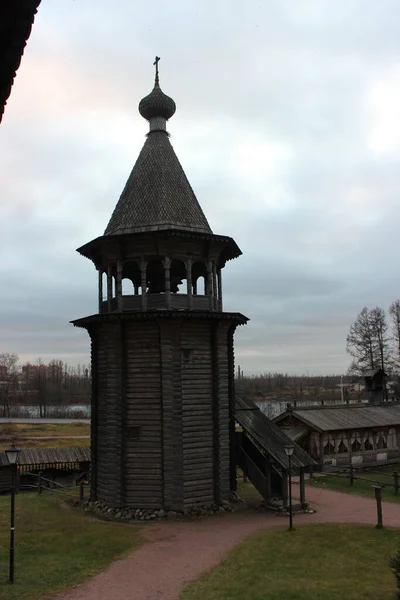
(162,347)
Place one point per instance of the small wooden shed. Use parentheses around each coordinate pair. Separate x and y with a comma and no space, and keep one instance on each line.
(375,380)
(44,459)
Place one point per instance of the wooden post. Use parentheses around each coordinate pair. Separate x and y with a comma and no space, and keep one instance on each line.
(118,289)
(100,288)
(219,283)
(109,288)
(351,475)
(143,278)
(210,285)
(302,489)
(378,498)
(267,467)
(189,283)
(167,275)
(39,482)
(396,483)
(214,292)
(81,491)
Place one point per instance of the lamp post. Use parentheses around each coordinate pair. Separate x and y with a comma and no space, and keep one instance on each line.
(12,457)
(289,451)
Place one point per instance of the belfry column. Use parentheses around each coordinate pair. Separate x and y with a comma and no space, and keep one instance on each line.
(219,277)
(109,288)
(100,288)
(167,271)
(118,287)
(210,285)
(189,283)
(214,292)
(143,279)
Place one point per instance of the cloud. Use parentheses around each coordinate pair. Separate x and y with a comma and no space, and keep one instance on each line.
(286,126)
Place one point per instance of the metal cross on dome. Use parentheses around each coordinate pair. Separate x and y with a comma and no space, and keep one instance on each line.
(156,64)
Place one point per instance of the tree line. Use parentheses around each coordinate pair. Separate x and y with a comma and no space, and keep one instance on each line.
(374,340)
(41,384)
(285,383)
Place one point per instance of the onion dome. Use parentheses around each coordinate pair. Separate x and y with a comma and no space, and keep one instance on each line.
(157,104)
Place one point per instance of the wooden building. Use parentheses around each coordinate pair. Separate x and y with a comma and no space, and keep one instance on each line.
(375,384)
(43,460)
(335,436)
(162,433)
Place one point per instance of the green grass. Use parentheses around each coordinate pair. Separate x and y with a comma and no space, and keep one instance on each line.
(361,486)
(57,434)
(315,562)
(56,547)
(39,429)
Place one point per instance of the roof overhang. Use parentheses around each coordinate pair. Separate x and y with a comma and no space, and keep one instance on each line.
(16,20)
(90,321)
(99,248)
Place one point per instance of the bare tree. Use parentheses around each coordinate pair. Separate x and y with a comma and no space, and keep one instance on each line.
(379,328)
(394,312)
(8,380)
(360,343)
(368,341)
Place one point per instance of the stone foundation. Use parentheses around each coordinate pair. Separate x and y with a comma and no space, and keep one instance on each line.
(130,515)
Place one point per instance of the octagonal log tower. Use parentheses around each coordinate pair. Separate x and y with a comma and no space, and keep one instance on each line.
(162,426)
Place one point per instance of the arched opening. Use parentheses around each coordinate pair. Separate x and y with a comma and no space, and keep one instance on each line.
(199,275)
(155,274)
(113,286)
(329,448)
(127,287)
(178,276)
(131,278)
(368,443)
(356,446)
(381,442)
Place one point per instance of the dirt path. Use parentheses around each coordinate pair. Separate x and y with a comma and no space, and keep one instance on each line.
(178,553)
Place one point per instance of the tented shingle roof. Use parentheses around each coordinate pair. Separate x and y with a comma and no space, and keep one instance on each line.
(157,195)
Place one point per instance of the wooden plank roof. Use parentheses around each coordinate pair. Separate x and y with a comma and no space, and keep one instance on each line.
(49,456)
(268,435)
(16,20)
(346,417)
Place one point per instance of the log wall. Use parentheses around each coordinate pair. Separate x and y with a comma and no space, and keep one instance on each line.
(161,411)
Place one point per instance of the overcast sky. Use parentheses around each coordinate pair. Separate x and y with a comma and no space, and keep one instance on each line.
(288,128)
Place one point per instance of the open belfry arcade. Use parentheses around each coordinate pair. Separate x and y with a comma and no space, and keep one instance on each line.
(163,427)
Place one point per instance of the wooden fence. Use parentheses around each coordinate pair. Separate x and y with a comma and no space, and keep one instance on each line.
(352,478)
